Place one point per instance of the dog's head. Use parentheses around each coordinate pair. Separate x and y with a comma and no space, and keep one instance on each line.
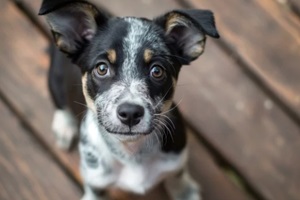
(129,65)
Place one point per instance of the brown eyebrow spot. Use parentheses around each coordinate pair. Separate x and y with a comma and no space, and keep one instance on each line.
(147,55)
(112,56)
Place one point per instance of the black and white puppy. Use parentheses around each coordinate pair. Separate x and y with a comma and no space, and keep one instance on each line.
(132,136)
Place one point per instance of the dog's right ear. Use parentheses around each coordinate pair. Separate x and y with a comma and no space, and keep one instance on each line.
(73,23)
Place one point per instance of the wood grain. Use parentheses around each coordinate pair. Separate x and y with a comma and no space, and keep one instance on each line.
(26,171)
(266,39)
(23,79)
(206,171)
(296,4)
(231,112)
(242,123)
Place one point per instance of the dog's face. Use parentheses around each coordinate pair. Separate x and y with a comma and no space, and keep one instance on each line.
(130,65)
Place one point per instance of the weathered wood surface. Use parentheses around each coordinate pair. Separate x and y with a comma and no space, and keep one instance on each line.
(23,78)
(232,112)
(243,124)
(26,171)
(34,106)
(296,5)
(266,39)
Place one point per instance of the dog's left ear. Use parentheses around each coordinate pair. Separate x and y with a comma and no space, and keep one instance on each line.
(187,30)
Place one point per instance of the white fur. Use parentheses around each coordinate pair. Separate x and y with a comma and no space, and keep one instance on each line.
(131,45)
(138,34)
(65,128)
(137,172)
(182,187)
(133,163)
(134,92)
(90,195)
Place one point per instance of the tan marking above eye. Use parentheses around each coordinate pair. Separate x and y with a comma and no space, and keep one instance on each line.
(112,56)
(147,55)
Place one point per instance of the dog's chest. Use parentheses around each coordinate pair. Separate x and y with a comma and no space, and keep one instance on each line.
(106,165)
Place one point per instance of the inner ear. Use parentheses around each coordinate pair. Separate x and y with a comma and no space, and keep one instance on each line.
(189,41)
(186,30)
(73,25)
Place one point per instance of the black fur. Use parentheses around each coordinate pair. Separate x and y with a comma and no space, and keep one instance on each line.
(168,51)
(124,61)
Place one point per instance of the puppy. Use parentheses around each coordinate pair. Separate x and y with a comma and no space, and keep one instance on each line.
(132,136)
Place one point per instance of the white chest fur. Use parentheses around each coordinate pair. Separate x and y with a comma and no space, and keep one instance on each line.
(135,166)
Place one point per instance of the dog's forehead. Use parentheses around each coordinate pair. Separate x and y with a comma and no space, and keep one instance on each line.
(141,31)
(141,36)
(136,33)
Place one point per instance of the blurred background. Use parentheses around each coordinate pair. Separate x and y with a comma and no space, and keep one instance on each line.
(240,99)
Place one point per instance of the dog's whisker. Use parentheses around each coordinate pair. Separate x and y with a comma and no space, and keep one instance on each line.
(159,129)
(82,112)
(163,97)
(174,56)
(173,107)
(173,68)
(82,104)
(163,115)
(156,136)
(166,128)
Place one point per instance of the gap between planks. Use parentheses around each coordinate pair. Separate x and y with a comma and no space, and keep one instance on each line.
(34,134)
(32,129)
(245,67)
(26,164)
(32,16)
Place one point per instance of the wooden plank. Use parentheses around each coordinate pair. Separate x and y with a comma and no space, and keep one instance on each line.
(268,42)
(24,65)
(237,118)
(296,5)
(243,124)
(208,173)
(26,171)
(31,12)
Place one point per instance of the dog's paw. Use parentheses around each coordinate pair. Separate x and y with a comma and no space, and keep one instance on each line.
(92,197)
(65,128)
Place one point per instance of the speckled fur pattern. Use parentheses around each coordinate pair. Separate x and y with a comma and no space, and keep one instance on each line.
(134,157)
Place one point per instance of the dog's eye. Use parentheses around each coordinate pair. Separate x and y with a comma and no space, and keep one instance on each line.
(157,72)
(102,69)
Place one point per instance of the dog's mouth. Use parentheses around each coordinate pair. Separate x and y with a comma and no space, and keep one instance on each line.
(130,133)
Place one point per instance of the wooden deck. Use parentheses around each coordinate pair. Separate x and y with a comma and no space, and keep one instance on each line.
(241,100)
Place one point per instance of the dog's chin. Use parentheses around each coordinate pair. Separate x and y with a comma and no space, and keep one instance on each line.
(128,136)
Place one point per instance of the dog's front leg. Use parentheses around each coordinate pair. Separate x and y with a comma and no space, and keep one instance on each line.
(182,187)
(96,169)
(64,124)
(92,194)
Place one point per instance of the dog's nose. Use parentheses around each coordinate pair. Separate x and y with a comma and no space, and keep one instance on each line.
(130,114)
